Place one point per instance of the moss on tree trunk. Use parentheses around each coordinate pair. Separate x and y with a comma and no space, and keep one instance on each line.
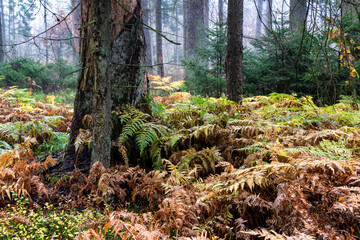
(112,49)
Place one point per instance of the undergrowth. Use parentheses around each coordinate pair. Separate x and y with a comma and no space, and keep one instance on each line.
(276,167)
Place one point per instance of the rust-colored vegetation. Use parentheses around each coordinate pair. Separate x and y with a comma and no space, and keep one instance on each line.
(276,167)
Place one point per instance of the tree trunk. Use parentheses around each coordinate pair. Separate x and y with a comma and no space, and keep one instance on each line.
(220,57)
(2,38)
(176,55)
(259,19)
(297,14)
(118,65)
(206,13)
(269,14)
(101,133)
(146,18)
(221,12)
(193,26)
(159,53)
(12,28)
(234,59)
(46,34)
(75,30)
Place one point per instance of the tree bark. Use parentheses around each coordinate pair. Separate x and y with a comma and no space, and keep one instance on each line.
(2,38)
(176,54)
(46,34)
(101,133)
(269,14)
(120,65)
(146,18)
(75,30)
(297,14)
(221,12)
(234,59)
(193,26)
(206,13)
(259,20)
(159,52)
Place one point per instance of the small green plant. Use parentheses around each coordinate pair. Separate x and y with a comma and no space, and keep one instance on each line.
(21,221)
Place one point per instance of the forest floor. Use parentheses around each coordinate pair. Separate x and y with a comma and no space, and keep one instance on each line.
(275,167)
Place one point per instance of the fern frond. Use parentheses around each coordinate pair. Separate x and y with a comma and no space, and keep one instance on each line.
(10,132)
(83,139)
(204,130)
(174,139)
(131,128)
(203,162)
(149,134)
(4,147)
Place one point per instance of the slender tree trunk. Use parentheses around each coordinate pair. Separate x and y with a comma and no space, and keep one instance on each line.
(159,52)
(269,14)
(146,18)
(46,34)
(206,13)
(59,49)
(2,38)
(234,59)
(3,22)
(185,23)
(75,29)
(221,12)
(298,10)
(12,27)
(259,19)
(220,58)
(176,54)
(193,26)
(118,66)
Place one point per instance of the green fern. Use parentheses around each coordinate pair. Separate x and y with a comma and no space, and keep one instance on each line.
(334,150)
(149,134)
(37,128)
(174,139)
(130,129)
(4,147)
(133,121)
(10,132)
(203,161)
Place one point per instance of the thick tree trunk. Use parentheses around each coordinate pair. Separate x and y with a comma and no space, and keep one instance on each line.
(159,53)
(297,14)
(101,133)
(234,59)
(120,64)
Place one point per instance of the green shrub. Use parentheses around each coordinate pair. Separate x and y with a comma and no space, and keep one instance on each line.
(26,72)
